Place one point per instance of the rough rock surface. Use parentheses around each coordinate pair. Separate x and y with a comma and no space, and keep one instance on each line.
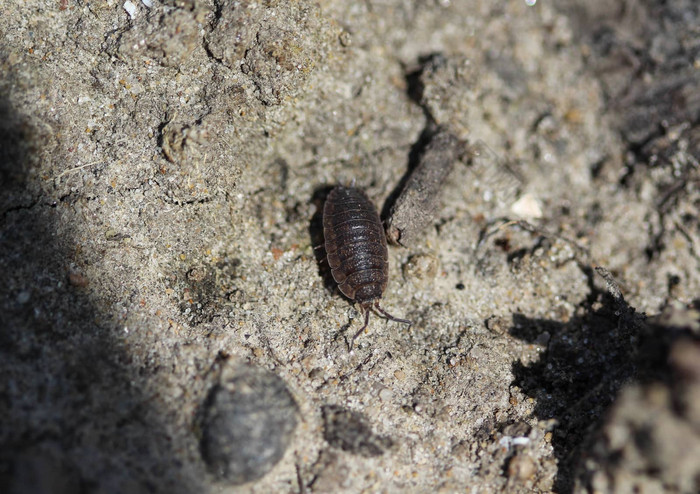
(247,424)
(163,165)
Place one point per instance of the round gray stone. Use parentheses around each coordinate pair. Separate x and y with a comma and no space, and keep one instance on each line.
(247,423)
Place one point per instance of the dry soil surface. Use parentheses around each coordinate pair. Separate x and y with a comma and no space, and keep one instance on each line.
(169,327)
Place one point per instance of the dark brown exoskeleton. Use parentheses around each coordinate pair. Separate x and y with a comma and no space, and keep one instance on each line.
(356,250)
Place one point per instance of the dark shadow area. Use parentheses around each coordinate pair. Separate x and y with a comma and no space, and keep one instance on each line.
(72,418)
(318,242)
(413,159)
(586,362)
(414,83)
(415,92)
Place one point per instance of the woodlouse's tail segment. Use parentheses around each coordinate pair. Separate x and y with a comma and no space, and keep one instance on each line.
(368,308)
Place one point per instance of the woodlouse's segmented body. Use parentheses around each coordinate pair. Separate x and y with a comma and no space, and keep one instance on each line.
(355,244)
(356,249)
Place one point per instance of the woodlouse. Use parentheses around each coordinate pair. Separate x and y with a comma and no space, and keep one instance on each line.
(356,250)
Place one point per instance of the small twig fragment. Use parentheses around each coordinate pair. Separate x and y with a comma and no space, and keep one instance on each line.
(419,202)
(630,319)
(71,170)
(613,287)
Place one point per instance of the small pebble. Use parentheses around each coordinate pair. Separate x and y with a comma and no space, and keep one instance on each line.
(23,297)
(197,274)
(521,467)
(421,269)
(130,8)
(345,38)
(78,280)
(527,207)
(385,395)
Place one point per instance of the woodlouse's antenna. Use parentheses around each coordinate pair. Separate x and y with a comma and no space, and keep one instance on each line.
(390,317)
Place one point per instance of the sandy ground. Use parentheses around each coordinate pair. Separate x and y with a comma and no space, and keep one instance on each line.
(168,326)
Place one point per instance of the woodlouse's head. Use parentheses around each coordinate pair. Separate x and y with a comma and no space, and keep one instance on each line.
(367,294)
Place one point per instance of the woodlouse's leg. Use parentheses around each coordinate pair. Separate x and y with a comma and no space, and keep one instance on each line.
(352,342)
(390,317)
